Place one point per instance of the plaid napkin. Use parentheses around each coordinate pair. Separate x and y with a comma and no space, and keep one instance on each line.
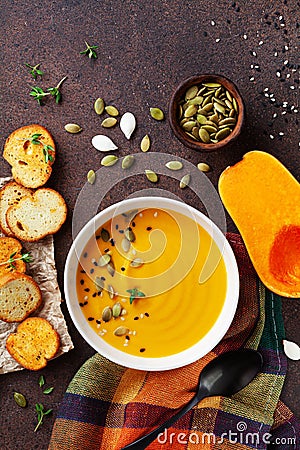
(107,406)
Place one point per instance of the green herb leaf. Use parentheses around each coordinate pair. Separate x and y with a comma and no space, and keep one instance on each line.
(41,381)
(135,292)
(25,257)
(39,407)
(90,51)
(34,70)
(39,94)
(48,390)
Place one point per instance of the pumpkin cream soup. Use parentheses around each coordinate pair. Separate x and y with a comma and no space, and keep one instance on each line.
(151,282)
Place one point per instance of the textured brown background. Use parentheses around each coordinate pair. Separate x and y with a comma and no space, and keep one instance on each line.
(145,50)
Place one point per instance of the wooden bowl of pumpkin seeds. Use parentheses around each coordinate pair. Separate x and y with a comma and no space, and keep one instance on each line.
(206,112)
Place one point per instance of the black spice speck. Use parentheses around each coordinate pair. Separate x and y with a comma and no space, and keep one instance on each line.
(103,278)
(149,228)
(95,263)
(90,319)
(94,294)
(146,314)
(98,322)
(133,224)
(85,255)
(136,318)
(87,289)
(81,282)
(142,350)
(92,271)
(117,226)
(97,237)
(81,304)
(112,242)
(106,250)
(121,231)
(85,303)
(122,268)
(82,271)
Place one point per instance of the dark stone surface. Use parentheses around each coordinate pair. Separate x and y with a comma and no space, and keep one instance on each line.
(145,50)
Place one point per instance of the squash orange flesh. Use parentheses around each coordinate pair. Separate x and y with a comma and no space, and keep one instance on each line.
(263,199)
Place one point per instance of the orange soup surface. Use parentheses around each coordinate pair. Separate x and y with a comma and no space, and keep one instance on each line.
(151,282)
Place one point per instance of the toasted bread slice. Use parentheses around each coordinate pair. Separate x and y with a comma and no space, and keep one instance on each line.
(19,297)
(10,195)
(36,216)
(34,343)
(30,162)
(8,247)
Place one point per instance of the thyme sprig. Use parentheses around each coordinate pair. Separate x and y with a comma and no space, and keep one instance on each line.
(34,70)
(90,51)
(35,139)
(39,94)
(25,257)
(41,413)
(134,293)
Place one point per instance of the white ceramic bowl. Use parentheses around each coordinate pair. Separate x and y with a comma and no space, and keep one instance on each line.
(204,345)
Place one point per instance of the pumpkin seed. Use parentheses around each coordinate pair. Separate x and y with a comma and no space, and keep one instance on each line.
(208,107)
(190,111)
(20,399)
(218,92)
(105,236)
(220,102)
(191,92)
(232,113)
(121,331)
(219,108)
(137,262)
(206,101)
(227,121)
(99,106)
(212,85)
(228,95)
(184,182)
(104,260)
(109,122)
(145,143)
(203,167)
(228,103)
(112,110)
(209,128)
(201,119)
(129,234)
(73,128)
(204,136)
(116,309)
(214,118)
(125,244)
(103,143)
(180,111)
(128,124)
(196,101)
(187,126)
(152,176)
(291,349)
(111,292)
(195,132)
(99,283)
(91,177)
(111,268)
(127,162)
(174,165)
(222,134)
(109,160)
(235,105)
(157,113)
(107,314)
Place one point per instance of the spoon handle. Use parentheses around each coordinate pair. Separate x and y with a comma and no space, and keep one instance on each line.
(144,441)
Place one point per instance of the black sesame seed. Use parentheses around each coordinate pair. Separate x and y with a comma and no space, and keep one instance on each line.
(149,228)
(129,228)
(98,321)
(112,242)
(92,271)
(117,226)
(146,314)
(82,271)
(103,278)
(121,231)
(99,293)
(81,304)
(133,224)
(94,294)
(98,237)
(122,268)
(136,318)
(85,255)
(90,319)
(87,289)
(106,250)
(81,282)
(95,263)
(142,350)
(127,337)
(85,303)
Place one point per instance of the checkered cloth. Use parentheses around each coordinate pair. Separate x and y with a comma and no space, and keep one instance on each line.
(107,406)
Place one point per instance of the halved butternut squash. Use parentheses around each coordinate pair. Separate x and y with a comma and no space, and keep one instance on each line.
(263,199)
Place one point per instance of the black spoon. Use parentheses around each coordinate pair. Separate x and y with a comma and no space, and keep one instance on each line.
(224,375)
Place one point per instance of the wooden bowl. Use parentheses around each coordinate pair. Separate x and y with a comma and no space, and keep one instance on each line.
(179,95)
